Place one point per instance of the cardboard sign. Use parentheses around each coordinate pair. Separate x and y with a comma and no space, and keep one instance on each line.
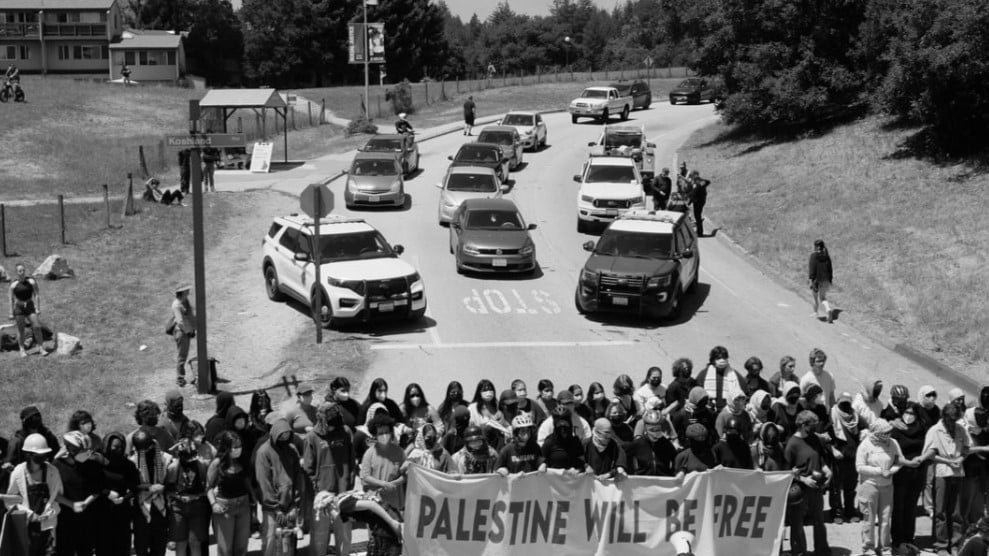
(261,156)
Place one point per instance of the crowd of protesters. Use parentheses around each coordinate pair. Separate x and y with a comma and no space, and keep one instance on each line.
(316,466)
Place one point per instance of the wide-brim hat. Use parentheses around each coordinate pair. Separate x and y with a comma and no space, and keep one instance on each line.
(183,288)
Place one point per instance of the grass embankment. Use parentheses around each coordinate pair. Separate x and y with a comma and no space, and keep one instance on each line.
(908,237)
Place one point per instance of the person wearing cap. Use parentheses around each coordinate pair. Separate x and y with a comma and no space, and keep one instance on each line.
(743,421)
(697,455)
(817,373)
(580,429)
(416,411)
(603,455)
(877,460)
(720,378)
(909,482)
(562,449)
(83,509)
(484,413)
(477,457)
(805,456)
(328,460)
(31,423)
(184,329)
(867,403)
(698,188)
(402,125)
(278,470)
(846,429)
(653,452)
(522,454)
(820,275)
(39,485)
(899,398)
(151,519)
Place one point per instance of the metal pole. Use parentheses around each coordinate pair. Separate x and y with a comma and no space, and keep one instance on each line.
(3,230)
(61,216)
(106,203)
(367,55)
(203,378)
(316,257)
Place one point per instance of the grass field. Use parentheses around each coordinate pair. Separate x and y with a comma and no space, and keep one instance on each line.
(908,238)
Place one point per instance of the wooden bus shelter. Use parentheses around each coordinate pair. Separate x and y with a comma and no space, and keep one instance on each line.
(229,101)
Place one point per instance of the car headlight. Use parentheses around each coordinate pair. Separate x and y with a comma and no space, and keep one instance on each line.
(527,249)
(413,278)
(356,286)
(351,185)
(471,250)
(637,201)
(659,281)
(588,276)
(449,203)
(587,198)
(396,185)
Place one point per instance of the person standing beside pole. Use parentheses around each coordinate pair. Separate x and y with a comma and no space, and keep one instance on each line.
(470,110)
(183,330)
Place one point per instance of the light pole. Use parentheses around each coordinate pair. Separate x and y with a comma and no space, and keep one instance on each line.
(367,56)
(566,44)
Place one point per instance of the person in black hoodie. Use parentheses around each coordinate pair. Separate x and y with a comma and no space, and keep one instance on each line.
(339,394)
(653,453)
(31,422)
(120,478)
(175,418)
(218,422)
(733,450)
(846,425)
(522,454)
(453,438)
(603,454)
(189,509)
(562,449)
(278,468)
(820,277)
(908,483)
(82,512)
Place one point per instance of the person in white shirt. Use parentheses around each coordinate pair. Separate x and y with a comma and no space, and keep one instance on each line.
(818,374)
(867,404)
(651,387)
(580,427)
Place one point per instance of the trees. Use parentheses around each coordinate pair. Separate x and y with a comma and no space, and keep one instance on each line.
(215,43)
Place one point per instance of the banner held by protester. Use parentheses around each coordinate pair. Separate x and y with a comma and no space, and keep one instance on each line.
(729,512)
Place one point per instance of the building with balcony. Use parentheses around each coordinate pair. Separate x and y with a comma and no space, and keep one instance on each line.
(150,55)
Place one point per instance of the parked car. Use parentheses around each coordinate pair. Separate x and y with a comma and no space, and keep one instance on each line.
(362,276)
(639,91)
(692,91)
(530,126)
(509,139)
(466,182)
(402,144)
(489,235)
(489,155)
(374,179)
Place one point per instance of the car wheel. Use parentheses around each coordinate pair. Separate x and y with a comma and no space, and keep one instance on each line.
(576,303)
(573,119)
(692,288)
(271,285)
(416,167)
(624,113)
(417,314)
(581,226)
(605,115)
(325,311)
(648,102)
(543,144)
(672,102)
(675,312)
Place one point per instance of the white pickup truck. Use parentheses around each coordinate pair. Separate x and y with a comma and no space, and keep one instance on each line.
(600,103)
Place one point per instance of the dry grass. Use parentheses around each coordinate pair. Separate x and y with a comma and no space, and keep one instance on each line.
(907,237)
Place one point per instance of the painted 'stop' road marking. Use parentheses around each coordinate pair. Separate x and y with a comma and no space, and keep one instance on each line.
(478,345)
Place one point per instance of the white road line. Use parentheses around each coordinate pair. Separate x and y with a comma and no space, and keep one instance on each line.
(481,345)
(434,335)
(722,284)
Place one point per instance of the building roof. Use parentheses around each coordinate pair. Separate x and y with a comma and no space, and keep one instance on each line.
(56,4)
(242,98)
(146,38)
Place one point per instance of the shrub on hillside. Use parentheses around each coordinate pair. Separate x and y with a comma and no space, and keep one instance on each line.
(361,125)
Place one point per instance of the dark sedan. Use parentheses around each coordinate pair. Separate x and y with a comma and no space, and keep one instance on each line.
(692,91)
(488,155)
(489,235)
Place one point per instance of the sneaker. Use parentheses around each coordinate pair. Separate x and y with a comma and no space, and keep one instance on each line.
(180,382)
(838,520)
(24,353)
(855,519)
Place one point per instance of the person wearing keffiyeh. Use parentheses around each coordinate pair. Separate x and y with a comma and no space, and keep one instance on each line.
(847,427)
(151,523)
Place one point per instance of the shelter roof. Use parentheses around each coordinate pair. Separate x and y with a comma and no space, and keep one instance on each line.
(242,98)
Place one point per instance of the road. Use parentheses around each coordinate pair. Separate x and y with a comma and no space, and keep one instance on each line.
(527,327)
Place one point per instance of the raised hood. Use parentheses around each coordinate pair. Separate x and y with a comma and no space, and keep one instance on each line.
(604,190)
(369,269)
(630,265)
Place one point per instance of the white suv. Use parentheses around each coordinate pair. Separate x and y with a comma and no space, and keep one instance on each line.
(610,186)
(363,277)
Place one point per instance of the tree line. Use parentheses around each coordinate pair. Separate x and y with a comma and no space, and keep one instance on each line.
(781,64)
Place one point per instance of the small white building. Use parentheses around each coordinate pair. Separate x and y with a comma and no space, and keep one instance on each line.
(150,55)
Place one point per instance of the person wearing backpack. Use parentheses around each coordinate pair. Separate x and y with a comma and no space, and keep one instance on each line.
(182,327)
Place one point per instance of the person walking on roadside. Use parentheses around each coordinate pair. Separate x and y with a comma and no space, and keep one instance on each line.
(25,308)
(183,331)
(820,276)
(470,110)
(698,198)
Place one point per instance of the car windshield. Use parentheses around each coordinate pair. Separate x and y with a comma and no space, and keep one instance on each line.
(346,247)
(615,140)
(637,245)
(468,153)
(690,83)
(496,137)
(480,183)
(374,168)
(518,119)
(597,174)
(487,219)
(384,145)
(594,93)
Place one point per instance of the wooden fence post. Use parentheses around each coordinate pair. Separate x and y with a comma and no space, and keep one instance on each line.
(309,111)
(144,163)
(322,113)
(61,217)
(129,209)
(3,230)
(426,88)
(161,155)
(106,203)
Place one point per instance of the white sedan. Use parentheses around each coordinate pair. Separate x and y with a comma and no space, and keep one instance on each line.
(466,182)
(530,126)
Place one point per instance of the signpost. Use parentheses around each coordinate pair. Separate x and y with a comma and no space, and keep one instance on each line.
(216,140)
(316,201)
(648,61)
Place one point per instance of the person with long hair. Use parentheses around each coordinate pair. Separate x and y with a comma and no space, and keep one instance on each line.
(339,393)
(82,421)
(623,390)
(416,411)
(545,400)
(328,460)
(596,402)
(39,485)
(378,393)
(427,450)
(453,399)
(82,511)
(820,278)
(230,494)
(484,412)
(787,373)
(120,480)
(650,387)
(189,509)
(31,423)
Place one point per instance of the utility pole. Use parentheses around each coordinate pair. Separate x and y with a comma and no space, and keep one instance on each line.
(203,379)
(367,56)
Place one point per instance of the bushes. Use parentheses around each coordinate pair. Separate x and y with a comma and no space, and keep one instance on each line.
(361,125)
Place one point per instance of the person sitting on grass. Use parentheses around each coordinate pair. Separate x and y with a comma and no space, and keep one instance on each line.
(154,193)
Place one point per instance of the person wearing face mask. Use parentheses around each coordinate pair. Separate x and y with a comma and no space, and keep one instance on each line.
(339,394)
(621,427)
(957,397)
(929,412)
(146,416)
(696,409)
(378,393)
(383,466)
(300,413)
(785,409)
(31,423)
(454,398)
(217,423)
(733,450)
(427,450)
(453,438)
(151,519)
(972,500)
(877,460)
(817,373)
(580,428)
(678,390)
(189,508)
(81,512)
(603,455)
(787,373)
(697,456)
(562,449)
(120,478)
(769,449)
(230,495)
(720,378)
(743,421)
(522,454)
(651,386)
(596,403)
(477,456)
(652,454)
(484,413)
(82,421)
(947,444)
(899,397)
(846,426)
(909,482)
(328,460)
(364,435)
(416,411)
(525,404)
(804,455)
(545,401)
(758,408)
(508,405)
(175,418)
(278,471)
(753,381)
(39,484)
(867,403)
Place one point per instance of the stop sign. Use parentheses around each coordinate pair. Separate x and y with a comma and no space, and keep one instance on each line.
(316,200)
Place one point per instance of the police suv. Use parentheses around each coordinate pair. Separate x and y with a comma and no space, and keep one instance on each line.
(363,278)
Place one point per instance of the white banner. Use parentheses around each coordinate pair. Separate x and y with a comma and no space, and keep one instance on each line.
(540,514)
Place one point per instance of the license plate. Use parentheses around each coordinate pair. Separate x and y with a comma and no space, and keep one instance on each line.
(611,212)
(499,262)
(619,300)
(386,307)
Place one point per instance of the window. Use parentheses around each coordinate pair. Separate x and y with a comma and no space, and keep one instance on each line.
(156,58)
(129,57)
(63,52)
(143,57)
(290,240)
(105,52)
(67,17)
(8,52)
(88,52)
(274,229)
(25,52)
(171,58)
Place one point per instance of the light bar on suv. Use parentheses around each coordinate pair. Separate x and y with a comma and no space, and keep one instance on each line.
(665,216)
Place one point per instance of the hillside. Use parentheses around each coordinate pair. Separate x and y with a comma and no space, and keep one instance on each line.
(907,237)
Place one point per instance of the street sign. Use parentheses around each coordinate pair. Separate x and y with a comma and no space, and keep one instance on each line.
(219,140)
(316,201)
(648,61)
